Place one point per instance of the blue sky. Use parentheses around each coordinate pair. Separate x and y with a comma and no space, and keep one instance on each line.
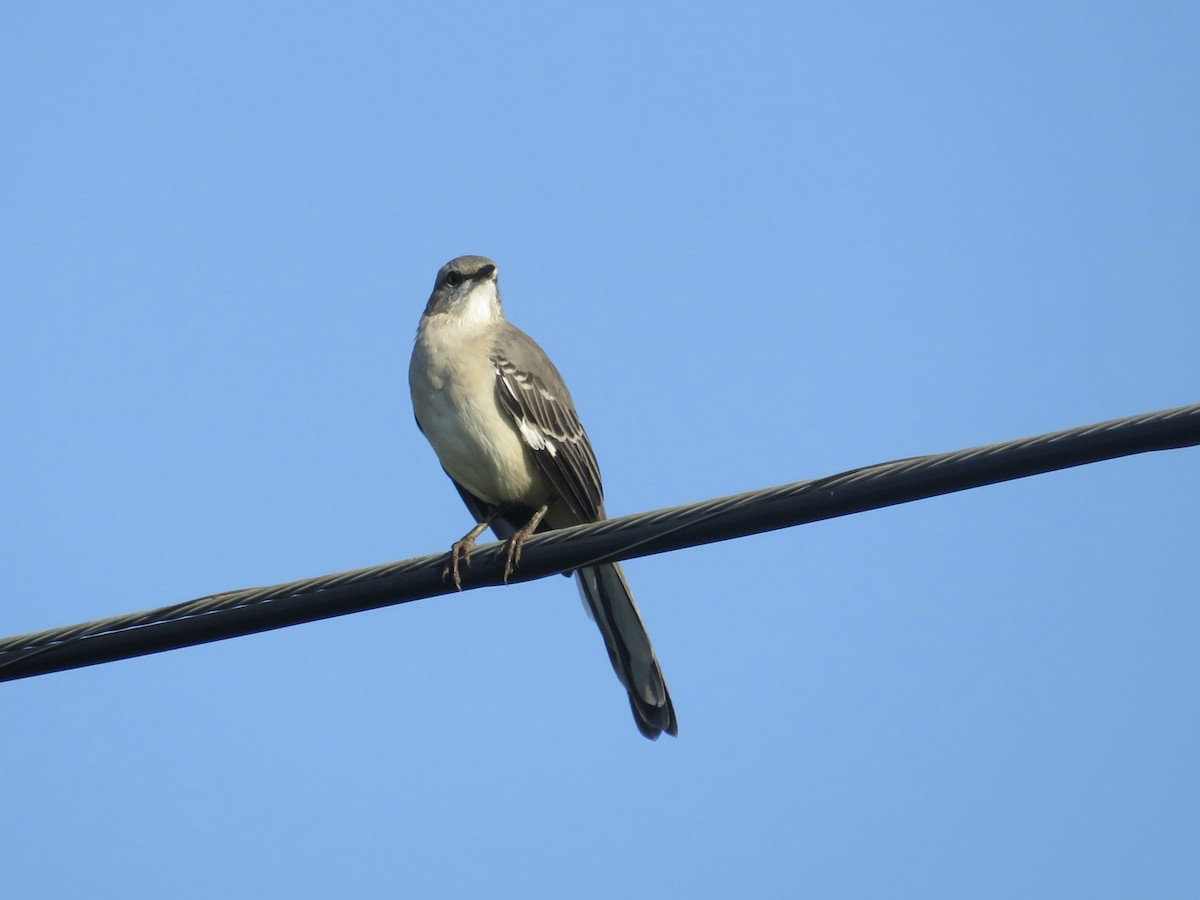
(763,242)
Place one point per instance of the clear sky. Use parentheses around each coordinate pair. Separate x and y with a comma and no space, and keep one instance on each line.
(764,243)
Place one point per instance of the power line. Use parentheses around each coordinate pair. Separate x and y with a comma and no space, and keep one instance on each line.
(236,613)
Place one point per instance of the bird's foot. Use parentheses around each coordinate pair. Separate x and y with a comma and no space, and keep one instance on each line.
(459,553)
(516,543)
(512,548)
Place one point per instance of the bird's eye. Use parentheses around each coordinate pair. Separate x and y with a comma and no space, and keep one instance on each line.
(454,279)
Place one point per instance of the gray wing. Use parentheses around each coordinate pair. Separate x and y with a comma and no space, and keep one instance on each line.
(530,389)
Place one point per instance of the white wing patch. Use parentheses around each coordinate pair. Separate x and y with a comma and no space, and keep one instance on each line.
(546,423)
(536,438)
(530,432)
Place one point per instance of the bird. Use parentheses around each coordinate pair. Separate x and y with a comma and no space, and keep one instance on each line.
(505,430)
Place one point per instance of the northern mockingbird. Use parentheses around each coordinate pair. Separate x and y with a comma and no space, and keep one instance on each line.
(505,429)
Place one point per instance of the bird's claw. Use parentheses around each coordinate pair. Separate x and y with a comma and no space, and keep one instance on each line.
(513,554)
(459,553)
(516,543)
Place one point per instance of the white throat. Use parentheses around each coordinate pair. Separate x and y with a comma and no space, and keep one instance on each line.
(480,308)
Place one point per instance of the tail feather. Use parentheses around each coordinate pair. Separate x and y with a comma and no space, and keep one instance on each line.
(610,602)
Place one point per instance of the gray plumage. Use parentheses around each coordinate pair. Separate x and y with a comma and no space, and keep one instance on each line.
(504,427)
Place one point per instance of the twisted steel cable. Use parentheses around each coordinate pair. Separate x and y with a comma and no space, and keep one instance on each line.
(252,610)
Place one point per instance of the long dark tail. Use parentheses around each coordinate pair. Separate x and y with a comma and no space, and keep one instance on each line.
(607,596)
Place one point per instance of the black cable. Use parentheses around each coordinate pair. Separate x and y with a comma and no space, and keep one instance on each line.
(260,609)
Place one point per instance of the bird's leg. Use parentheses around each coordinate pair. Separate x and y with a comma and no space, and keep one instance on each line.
(514,544)
(461,551)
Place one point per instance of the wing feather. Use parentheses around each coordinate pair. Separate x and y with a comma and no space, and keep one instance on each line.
(530,390)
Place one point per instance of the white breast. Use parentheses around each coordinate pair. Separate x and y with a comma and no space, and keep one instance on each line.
(453,383)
